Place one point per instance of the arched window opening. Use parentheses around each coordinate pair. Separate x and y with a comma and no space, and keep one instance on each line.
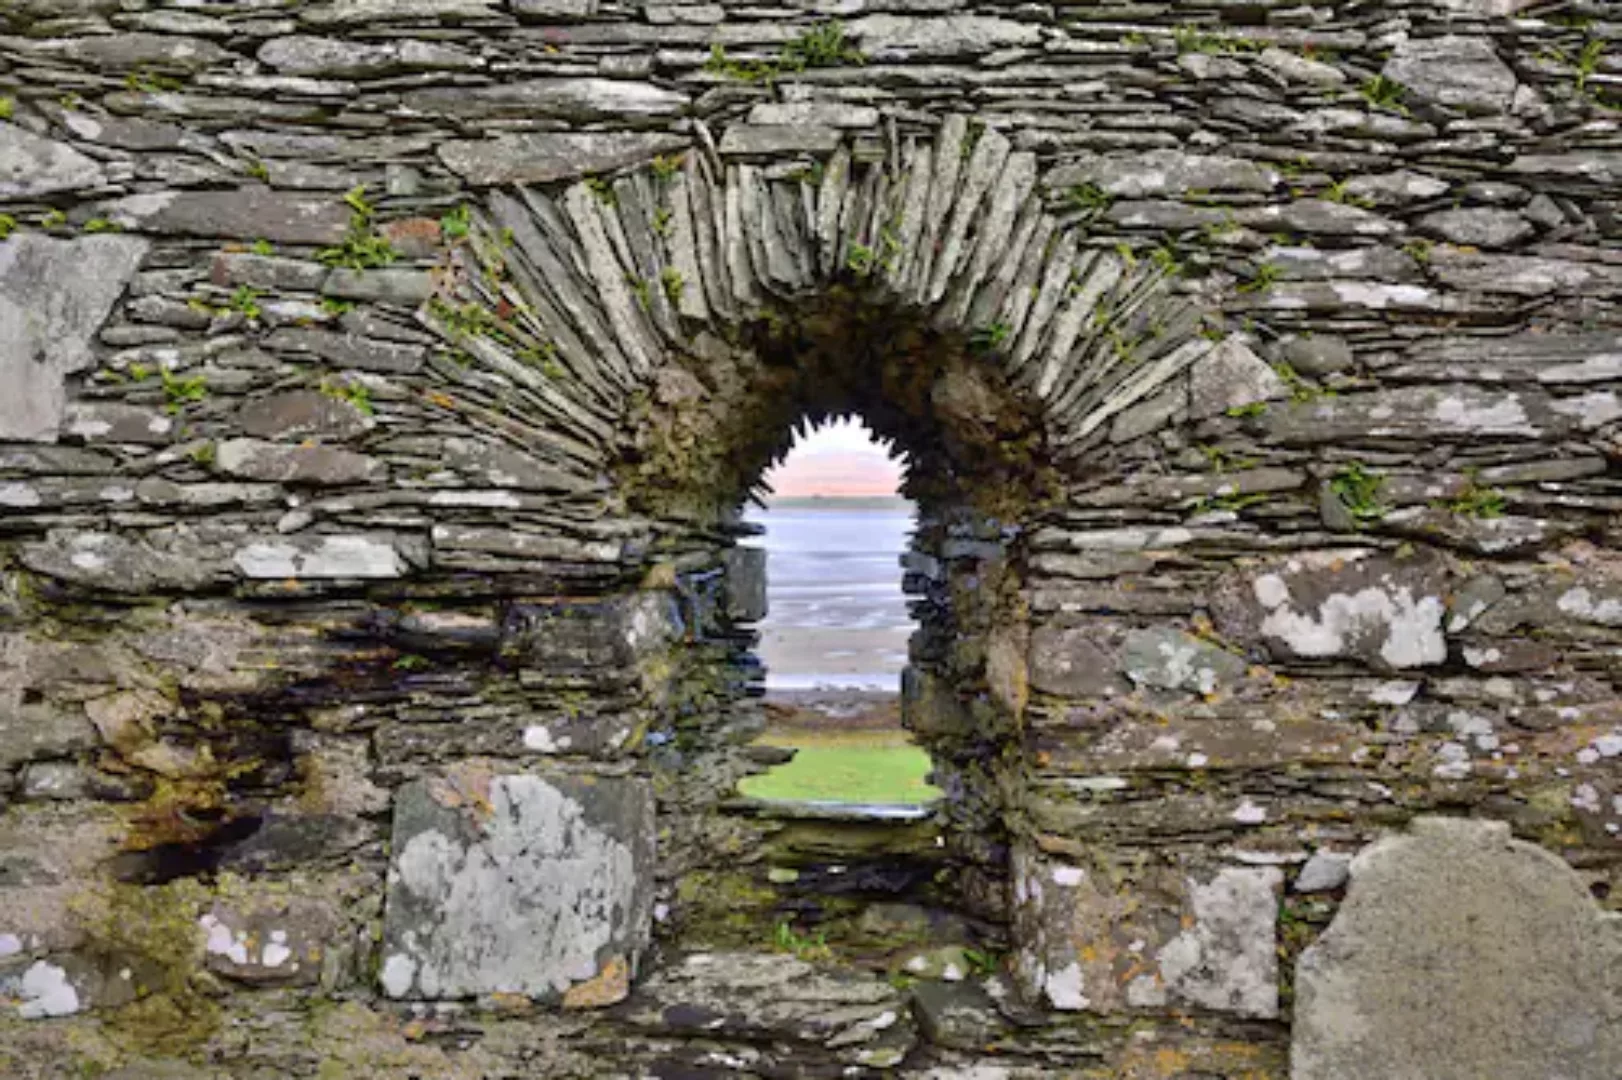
(835,639)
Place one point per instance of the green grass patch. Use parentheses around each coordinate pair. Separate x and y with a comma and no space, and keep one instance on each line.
(846,766)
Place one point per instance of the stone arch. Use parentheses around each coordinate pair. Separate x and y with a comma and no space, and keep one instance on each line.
(671,320)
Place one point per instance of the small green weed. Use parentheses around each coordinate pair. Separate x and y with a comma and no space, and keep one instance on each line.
(991,336)
(672,282)
(1090,199)
(456,223)
(1478,502)
(804,946)
(1262,279)
(180,392)
(363,247)
(245,301)
(1358,489)
(354,393)
(1385,93)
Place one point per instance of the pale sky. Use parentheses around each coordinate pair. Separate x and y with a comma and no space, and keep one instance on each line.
(839,458)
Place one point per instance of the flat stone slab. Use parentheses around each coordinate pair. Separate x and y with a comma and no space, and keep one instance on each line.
(54,295)
(518,884)
(1460,954)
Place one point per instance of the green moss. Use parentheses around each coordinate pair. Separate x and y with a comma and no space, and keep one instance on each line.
(152,931)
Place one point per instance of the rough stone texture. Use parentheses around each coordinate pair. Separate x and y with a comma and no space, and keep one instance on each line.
(31,166)
(1204,941)
(54,295)
(1456,928)
(1159,304)
(542,158)
(1460,72)
(1386,611)
(517,884)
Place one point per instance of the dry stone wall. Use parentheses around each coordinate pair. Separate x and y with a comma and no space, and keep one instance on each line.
(382,384)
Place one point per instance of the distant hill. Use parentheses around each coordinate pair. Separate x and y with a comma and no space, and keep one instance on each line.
(840,502)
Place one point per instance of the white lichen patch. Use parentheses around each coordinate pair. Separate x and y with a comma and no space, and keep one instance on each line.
(1580,602)
(46,992)
(1226,960)
(1064,988)
(1408,628)
(525,908)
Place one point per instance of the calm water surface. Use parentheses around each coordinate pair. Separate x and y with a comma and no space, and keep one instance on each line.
(838,616)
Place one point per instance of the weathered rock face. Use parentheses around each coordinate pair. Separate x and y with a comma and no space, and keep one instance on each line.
(1457,928)
(518,885)
(54,296)
(380,381)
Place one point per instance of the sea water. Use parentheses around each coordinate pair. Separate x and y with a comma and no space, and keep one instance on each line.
(838,617)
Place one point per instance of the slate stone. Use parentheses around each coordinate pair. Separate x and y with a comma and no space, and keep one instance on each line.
(1478,227)
(118,562)
(269,941)
(301,414)
(746,571)
(518,884)
(113,422)
(1113,939)
(1384,611)
(1459,72)
(1231,376)
(364,12)
(320,557)
(31,165)
(751,140)
(1317,355)
(1293,67)
(280,217)
(887,37)
(771,997)
(544,157)
(54,295)
(257,459)
(350,350)
(232,268)
(577,99)
(1158,173)
(1069,661)
(408,288)
(1461,953)
(298,54)
(1172,660)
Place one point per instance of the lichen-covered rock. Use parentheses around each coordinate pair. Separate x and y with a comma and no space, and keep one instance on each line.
(1091,941)
(1461,953)
(1351,604)
(54,295)
(517,884)
(1460,72)
(31,166)
(1172,660)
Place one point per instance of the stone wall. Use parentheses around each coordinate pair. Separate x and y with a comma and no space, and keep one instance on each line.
(383,381)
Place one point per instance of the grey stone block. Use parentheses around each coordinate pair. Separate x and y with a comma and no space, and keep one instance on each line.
(1461,953)
(519,884)
(54,295)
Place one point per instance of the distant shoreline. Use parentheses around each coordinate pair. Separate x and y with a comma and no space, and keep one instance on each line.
(839,502)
